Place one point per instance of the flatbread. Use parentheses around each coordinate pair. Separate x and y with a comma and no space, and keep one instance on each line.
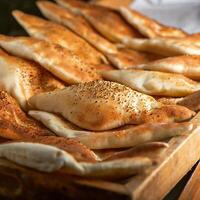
(23,79)
(61,62)
(122,137)
(14,123)
(192,39)
(118,138)
(170,100)
(188,65)
(103,19)
(151,150)
(101,67)
(163,46)
(191,101)
(77,24)
(79,151)
(119,58)
(47,158)
(52,32)
(153,82)
(149,27)
(58,124)
(149,132)
(114,4)
(110,105)
(127,58)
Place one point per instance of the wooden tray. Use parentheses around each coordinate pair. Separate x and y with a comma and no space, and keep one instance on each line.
(23,183)
(192,189)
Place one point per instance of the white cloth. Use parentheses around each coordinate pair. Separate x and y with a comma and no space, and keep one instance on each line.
(183,14)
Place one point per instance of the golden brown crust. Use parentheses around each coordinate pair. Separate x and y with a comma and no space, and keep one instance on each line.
(79,151)
(128,58)
(77,24)
(191,101)
(103,19)
(34,76)
(14,123)
(52,32)
(63,63)
(167,114)
(169,100)
(23,79)
(114,4)
(148,132)
(103,67)
(80,26)
(163,46)
(188,65)
(110,105)
(149,27)
(193,38)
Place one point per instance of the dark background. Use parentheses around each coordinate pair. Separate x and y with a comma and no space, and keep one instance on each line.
(8,24)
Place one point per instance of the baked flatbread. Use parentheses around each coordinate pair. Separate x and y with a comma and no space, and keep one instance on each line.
(151,150)
(170,100)
(110,105)
(48,158)
(153,83)
(14,123)
(127,58)
(79,151)
(114,4)
(23,79)
(119,58)
(77,24)
(163,46)
(106,21)
(149,27)
(191,101)
(188,65)
(118,138)
(58,124)
(61,127)
(52,32)
(141,134)
(103,67)
(61,62)
(192,39)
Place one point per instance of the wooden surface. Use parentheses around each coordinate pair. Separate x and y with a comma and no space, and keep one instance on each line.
(192,189)
(21,183)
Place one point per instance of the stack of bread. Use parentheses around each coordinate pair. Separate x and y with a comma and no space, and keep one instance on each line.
(93,92)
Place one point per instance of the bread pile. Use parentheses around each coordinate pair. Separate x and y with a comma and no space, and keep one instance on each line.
(95,92)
